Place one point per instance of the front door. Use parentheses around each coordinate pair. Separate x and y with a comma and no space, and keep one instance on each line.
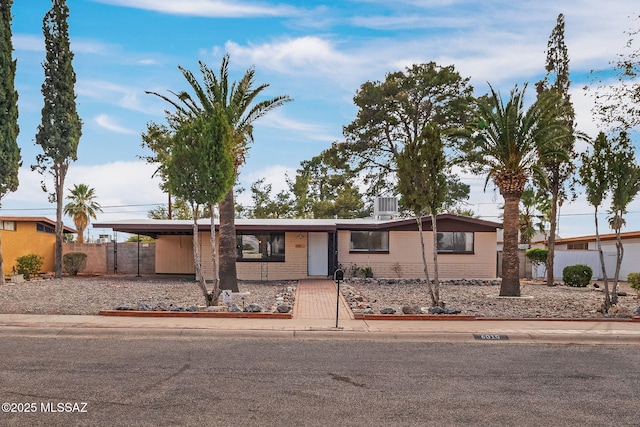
(318,254)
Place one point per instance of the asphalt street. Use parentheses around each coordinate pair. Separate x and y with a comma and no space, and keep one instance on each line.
(144,378)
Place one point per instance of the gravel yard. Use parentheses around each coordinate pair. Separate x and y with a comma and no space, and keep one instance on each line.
(89,295)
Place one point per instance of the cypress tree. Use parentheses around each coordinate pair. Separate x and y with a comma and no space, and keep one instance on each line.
(9,150)
(61,127)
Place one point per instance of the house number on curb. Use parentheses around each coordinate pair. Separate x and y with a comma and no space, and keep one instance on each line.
(490,337)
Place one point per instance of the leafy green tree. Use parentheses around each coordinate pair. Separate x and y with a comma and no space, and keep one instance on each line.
(594,177)
(140,238)
(422,182)
(201,171)
(180,210)
(266,207)
(325,188)
(508,144)
(10,159)
(624,179)
(61,127)
(82,207)
(238,102)
(394,113)
(559,170)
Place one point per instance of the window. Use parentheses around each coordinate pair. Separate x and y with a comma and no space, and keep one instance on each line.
(454,242)
(577,246)
(8,225)
(369,241)
(260,247)
(45,228)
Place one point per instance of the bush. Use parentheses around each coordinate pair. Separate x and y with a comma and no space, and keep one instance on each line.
(577,275)
(537,255)
(634,281)
(29,265)
(74,262)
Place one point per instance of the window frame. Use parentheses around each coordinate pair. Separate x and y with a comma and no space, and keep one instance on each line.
(269,238)
(4,222)
(370,249)
(41,227)
(458,252)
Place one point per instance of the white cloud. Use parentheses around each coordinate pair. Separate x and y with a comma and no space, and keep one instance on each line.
(111,93)
(308,131)
(207,8)
(124,190)
(28,42)
(106,122)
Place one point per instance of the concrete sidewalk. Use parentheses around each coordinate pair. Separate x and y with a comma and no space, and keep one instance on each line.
(315,318)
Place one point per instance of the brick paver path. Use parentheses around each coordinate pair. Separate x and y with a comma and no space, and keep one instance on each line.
(316,299)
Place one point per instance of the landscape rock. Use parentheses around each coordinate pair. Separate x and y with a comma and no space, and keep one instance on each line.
(235,308)
(283,308)
(143,306)
(387,310)
(125,307)
(253,308)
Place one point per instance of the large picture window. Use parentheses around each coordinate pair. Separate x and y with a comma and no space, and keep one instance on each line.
(260,247)
(369,241)
(455,242)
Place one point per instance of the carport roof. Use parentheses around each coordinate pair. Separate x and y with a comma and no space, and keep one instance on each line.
(154,228)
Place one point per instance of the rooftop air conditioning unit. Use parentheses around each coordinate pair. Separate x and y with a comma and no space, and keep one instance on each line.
(385,207)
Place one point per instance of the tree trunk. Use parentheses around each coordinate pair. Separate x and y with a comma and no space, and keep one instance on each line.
(510,286)
(436,282)
(616,277)
(197,263)
(607,299)
(434,301)
(60,174)
(215,293)
(228,243)
(553,221)
(2,263)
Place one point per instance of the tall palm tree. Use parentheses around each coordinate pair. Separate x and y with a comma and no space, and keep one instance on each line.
(508,145)
(81,207)
(237,100)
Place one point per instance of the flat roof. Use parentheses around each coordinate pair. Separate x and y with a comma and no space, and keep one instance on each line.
(155,227)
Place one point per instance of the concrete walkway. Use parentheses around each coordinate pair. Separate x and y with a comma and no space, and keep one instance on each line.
(318,299)
(314,317)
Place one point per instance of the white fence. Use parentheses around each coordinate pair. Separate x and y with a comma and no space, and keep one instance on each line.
(592,259)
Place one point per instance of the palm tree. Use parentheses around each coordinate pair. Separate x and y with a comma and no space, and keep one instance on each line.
(81,207)
(508,145)
(237,102)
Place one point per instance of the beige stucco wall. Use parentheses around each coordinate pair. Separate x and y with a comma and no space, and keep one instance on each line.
(174,255)
(405,257)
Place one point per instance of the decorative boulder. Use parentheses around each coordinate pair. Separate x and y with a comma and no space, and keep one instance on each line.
(387,310)
(253,308)
(234,308)
(410,309)
(283,308)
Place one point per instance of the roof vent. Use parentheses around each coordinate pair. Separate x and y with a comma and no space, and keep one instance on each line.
(385,207)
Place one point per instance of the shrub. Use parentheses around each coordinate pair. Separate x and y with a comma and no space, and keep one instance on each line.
(29,265)
(577,275)
(537,255)
(74,262)
(634,281)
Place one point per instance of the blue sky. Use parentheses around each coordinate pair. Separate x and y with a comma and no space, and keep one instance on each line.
(318,52)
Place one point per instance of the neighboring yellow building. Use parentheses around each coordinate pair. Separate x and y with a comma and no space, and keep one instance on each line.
(22,235)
